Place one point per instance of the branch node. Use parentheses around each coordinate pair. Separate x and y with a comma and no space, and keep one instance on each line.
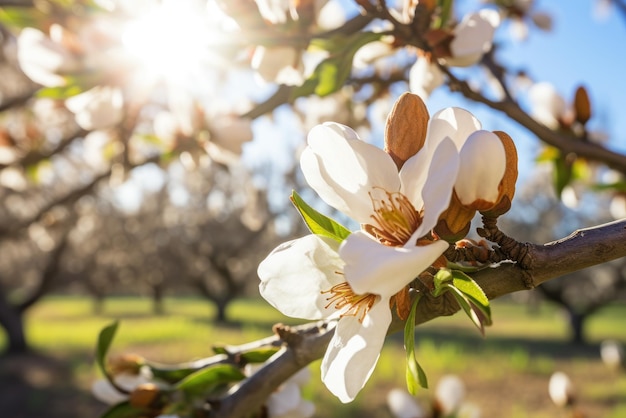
(287,334)
(508,248)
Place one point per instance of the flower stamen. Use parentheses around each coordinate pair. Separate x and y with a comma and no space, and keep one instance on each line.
(395,219)
(342,296)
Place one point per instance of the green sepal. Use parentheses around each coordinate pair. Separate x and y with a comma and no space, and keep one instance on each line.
(440,279)
(206,381)
(415,375)
(319,224)
(125,410)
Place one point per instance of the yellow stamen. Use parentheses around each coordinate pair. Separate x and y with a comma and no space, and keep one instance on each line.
(342,296)
(395,219)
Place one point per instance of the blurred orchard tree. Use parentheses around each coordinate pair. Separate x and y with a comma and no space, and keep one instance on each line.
(155,143)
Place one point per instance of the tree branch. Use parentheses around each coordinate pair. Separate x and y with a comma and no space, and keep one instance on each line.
(566,143)
(583,248)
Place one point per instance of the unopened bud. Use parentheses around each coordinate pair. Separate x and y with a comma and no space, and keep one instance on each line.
(507,185)
(481,170)
(582,105)
(454,223)
(144,396)
(405,131)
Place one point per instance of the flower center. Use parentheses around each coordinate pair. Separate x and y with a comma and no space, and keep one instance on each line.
(395,219)
(342,295)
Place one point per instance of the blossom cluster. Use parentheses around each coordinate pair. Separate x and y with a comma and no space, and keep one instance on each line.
(412,200)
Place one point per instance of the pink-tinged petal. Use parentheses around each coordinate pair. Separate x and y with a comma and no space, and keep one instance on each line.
(437,191)
(354,350)
(372,267)
(482,166)
(284,401)
(452,122)
(296,272)
(347,169)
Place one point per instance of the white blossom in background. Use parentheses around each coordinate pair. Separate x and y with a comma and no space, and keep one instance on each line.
(280,64)
(612,354)
(473,37)
(424,77)
(43,59)
(105,392)
(561,389)
(525,15)
(547,106)
(403,405)
(98,108)
(449,394)
(287,400)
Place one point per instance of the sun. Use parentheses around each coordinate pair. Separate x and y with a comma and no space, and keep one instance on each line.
(171,41)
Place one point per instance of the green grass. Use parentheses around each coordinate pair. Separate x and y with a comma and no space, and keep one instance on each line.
(506,373)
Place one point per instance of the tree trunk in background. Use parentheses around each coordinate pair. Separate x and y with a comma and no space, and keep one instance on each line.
(221,305)
(11,319)
(157,300)
(577,323)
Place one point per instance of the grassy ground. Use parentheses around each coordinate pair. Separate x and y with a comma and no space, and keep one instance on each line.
(506,373)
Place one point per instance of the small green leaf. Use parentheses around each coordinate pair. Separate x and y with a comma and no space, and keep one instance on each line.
(442,277)
(104,343)
(59,93)
(331,74)
(209,379)
(319,224)
(415,375)
(471,289)
(125,410)
(445,7)
(260,355)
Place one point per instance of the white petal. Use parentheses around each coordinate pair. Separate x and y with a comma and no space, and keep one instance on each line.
(452,122)
(98,108)
(296,272)
(41,59)
(473,37)
(354,350)
(104,392)
(482,166)
(403,405)
(437,191)
(286,399)
(426,167)
(449,393)
(372,267)
(350,168)
(424,77)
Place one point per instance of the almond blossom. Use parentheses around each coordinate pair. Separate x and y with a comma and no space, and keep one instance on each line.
(356,281)
(470,39)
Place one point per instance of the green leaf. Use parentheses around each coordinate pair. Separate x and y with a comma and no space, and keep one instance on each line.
(415,375)
(562,174)
(260,355)
(331,74)
(104,343)
(445,7)
(21,17)
(319,224)
(59,93)
(442,277)
(125,410)
(470,288)
(207,380)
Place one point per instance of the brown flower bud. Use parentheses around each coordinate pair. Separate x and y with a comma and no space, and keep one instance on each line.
(145,395)
(454,223)
(582,105)
(127,363)
(507,185)
(405,131)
